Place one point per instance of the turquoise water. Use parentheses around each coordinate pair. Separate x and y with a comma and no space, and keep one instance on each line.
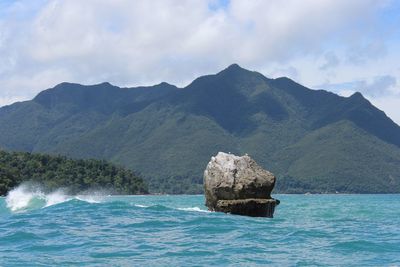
(95,230)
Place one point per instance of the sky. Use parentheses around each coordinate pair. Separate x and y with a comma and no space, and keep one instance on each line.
(337,45)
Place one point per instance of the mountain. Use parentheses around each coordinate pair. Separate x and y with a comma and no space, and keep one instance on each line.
(55,172)
(313,140)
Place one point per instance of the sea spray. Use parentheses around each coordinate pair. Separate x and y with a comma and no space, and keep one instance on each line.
(56,197)
(92,196)
(29,196)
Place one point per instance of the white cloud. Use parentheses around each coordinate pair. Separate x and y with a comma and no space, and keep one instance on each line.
(127,43)
(378,86)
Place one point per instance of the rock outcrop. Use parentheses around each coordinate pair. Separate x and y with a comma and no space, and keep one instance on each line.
(238,185)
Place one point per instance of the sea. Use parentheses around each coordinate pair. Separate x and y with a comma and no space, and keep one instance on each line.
(95,229)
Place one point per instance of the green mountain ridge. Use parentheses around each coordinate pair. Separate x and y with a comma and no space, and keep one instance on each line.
(313,140)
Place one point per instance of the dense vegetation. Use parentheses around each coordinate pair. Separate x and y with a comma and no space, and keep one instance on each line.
(54,172)
(350,159)
(313,140)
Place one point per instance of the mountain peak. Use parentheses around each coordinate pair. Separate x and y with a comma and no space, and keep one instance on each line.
(105,84)
(357,95)
(234,68)
(165,84)
(64,84)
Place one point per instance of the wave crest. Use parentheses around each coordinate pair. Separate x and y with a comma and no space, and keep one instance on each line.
(193,209)
(28,197)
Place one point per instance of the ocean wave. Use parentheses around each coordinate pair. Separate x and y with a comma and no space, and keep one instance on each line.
(193,209)
(162,207)
(140,206)
(29,197)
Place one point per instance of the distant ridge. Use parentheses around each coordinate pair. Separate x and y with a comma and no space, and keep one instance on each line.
(313,140)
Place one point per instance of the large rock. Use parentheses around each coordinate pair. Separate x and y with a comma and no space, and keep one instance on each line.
(238,185)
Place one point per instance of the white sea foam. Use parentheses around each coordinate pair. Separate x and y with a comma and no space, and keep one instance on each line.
(90,198)
(193,209)
(20,197)
(56,197)
(29,196)
(141,206)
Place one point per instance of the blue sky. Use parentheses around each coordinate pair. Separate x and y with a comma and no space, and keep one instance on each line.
(342,46)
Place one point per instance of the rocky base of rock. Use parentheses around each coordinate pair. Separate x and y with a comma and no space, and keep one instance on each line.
(256,207)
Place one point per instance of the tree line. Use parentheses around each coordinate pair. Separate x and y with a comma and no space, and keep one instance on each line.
(54,172)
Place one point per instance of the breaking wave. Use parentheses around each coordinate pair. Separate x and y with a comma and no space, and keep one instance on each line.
(141,206)
(162,207)
(193,209)
(28,197)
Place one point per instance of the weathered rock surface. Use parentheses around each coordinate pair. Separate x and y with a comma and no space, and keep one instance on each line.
(238,185)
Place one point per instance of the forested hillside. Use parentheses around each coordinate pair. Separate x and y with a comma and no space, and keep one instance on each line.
(54,172)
